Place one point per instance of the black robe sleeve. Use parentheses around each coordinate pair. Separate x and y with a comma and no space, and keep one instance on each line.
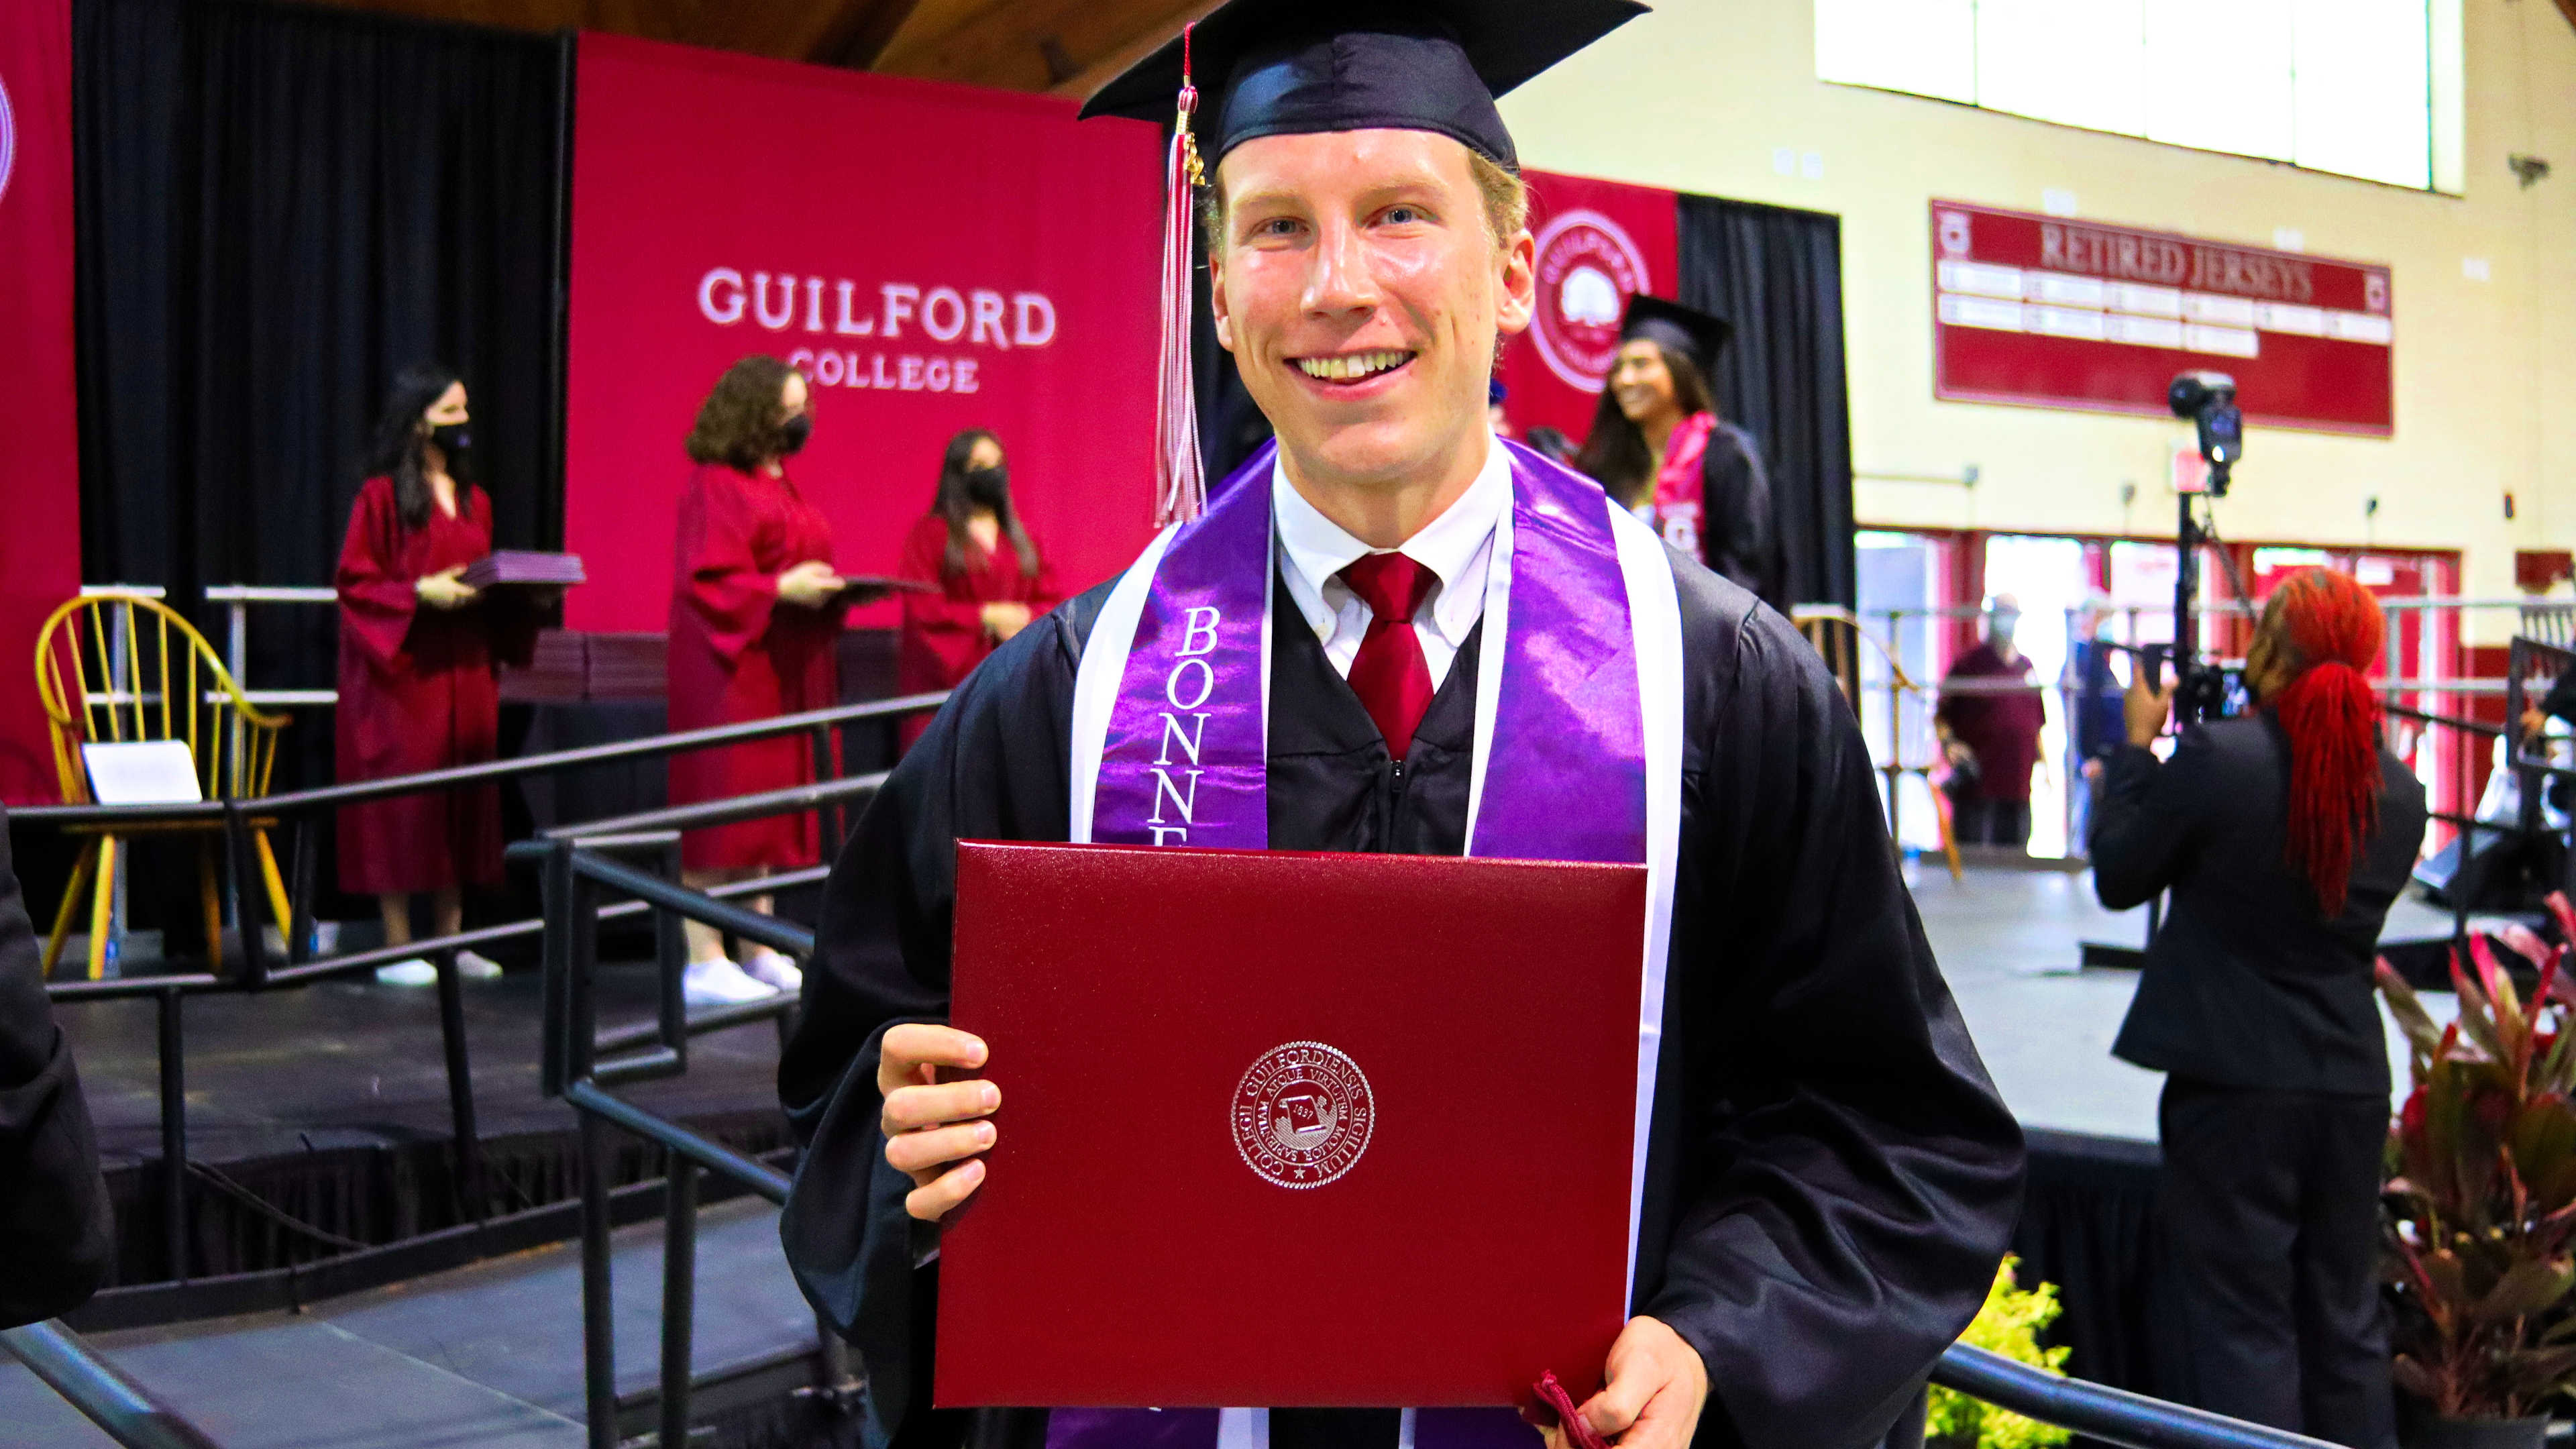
(2150,818)
(1833,1177)
(55,1234)
(1739,536)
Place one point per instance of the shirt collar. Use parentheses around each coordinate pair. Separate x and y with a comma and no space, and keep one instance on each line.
(1450,545)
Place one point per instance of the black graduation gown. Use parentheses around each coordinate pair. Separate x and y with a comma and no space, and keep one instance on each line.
(56,1238)
(1739,530)
(1831,1176)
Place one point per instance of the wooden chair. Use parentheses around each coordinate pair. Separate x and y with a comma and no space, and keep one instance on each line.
(121,667)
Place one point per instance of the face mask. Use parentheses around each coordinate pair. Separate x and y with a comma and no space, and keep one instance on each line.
(457,443)
(988,487)
(794,433)
(2000,627)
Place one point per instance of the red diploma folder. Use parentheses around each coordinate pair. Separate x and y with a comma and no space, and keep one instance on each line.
(1284,1129)
(523,566)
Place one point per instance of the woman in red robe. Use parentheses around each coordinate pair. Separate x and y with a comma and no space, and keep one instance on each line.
(754,613)
(417,653)
(986,592)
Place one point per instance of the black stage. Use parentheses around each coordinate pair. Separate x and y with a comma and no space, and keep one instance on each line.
(318,1123)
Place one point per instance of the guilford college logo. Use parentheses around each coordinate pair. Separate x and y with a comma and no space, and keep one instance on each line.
(1302,1115)
(1588,268)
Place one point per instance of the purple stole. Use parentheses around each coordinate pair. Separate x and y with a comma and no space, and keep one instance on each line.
(1577,758)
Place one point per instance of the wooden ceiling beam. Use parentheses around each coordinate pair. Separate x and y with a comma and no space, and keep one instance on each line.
(1030,45)
(860,32)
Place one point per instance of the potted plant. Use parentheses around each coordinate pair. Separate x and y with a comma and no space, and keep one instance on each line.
(2008,1324)
(2481,1199)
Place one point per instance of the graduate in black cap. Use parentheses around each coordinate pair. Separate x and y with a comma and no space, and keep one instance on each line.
(1659,446)
(1825,1177)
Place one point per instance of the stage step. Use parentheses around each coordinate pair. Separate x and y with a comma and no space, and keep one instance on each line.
(488,1355)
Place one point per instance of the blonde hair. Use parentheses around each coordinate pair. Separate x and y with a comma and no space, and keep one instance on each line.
(1505,194)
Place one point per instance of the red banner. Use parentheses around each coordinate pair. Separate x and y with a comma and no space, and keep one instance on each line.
(2059,313)
(40,467)
(1599,243)
(933,257)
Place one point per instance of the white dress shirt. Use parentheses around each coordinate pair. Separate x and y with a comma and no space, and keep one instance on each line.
(1457,547)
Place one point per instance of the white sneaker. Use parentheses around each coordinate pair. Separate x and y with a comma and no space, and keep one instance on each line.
(776,968)
(719,983)
(474,966)
(414,972)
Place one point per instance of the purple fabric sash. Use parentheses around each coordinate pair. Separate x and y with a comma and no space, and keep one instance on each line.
(1562,775)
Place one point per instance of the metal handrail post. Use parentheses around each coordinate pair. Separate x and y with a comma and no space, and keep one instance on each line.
(473,1204)
(671,952)
(299,898)
(555,985)
(827,813)
(174,1130)
(598,1317)
(679,1295)
(99,1389)
(249,890)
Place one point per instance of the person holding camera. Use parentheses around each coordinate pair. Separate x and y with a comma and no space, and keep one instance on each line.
(2283,835)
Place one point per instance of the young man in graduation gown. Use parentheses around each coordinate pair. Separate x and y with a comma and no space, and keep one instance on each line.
(1421,639)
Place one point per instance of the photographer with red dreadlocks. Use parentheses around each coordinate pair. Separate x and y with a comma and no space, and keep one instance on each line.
(2283,835)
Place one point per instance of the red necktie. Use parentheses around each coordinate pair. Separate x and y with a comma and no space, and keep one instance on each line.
(1389,674)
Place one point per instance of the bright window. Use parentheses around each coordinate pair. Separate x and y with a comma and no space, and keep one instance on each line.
(2367,88)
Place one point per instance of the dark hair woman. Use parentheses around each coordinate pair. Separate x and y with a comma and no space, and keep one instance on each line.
(755,609)
(1659,447)
(990,578)
(2284,835)
(417,653)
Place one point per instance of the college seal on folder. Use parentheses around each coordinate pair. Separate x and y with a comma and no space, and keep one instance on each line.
(1302,1114)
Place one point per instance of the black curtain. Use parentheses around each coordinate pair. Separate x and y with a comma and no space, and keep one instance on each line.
(1777,275)
(275,209)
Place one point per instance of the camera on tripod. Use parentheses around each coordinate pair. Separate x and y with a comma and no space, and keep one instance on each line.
(2209,400)
(2201,689)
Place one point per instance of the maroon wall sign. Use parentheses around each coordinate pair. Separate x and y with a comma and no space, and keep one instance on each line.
(2049,312)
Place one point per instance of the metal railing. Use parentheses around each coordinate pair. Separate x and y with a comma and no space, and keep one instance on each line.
(2098,1411)
(115,1403)
(237,599)
(582,1064)
(1897,709)
(827,799)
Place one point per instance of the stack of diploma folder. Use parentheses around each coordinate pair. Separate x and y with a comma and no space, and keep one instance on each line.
(523,566)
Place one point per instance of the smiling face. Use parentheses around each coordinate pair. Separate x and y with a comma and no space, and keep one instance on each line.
(1361,291)
(1641,381)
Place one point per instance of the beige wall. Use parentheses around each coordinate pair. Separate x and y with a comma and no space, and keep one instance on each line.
(1697,95)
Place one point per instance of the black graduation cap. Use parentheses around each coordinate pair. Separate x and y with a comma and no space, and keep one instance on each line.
(1687,330)
(1293,67)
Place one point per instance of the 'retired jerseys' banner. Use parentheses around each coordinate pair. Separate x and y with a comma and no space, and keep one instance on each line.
(2055,312)
(933,257)
(1599,243)
(40,466)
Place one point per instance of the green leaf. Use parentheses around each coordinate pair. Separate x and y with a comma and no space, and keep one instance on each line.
(2408,1009)
(2445,1277)
(2415,1379)
(2534,1372)
(2544,1151)
(2526,1288)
